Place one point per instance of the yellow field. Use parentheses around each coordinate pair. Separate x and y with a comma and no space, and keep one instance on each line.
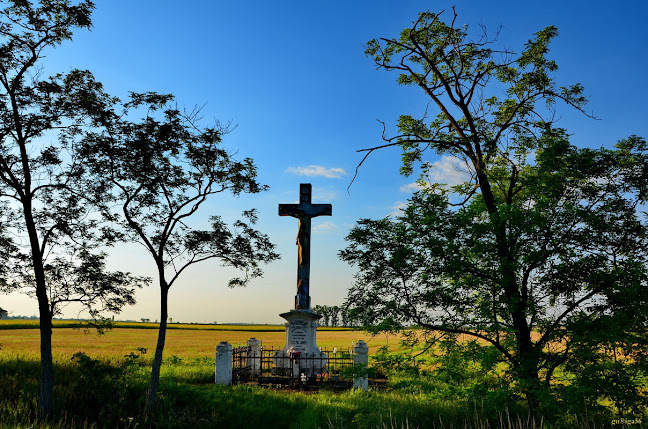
(32,323)
(185,343)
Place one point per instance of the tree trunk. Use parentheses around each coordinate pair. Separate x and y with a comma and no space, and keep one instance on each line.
(530,382)
(527,367)
(159,349)
(45,399)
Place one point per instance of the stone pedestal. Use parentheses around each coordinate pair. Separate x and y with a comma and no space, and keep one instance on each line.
(224,363)
(301,355)
(361,362)
(254,357)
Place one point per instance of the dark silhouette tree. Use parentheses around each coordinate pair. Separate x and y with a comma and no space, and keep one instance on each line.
(344,316)
(335,314)
(80,277)
(41,184)
(326,314)
(159,171)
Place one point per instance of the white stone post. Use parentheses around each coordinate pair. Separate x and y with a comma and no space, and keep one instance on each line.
(224,363)
(361,362)
(254,357)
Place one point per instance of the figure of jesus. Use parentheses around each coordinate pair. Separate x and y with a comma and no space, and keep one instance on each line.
(304,212)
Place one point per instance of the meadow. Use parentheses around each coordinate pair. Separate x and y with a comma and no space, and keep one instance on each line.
(187,341)
(32,323)
(101,380)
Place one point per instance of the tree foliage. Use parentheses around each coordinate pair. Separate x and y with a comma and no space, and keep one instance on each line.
(157,172)
(80,277)
(45,206)
(332,315)
(544,240)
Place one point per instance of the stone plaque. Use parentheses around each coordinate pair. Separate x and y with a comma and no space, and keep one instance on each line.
(301,354)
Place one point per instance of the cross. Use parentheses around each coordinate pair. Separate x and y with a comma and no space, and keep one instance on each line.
(304,212)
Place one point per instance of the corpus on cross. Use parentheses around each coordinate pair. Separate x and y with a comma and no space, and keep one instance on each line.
(304,212)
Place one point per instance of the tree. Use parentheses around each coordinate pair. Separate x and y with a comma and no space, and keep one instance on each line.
(41,183)
(344,316)
(543,240)
(335,313)
(324,310)
(321,310)
(80,277)
(159,172)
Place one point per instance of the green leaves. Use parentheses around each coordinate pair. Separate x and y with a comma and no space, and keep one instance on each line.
(547,237)
(159,171)
(51,207)
(457,69)
(87,282)
(570,238)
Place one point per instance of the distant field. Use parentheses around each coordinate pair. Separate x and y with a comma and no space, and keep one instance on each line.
(186,343)
(31,324)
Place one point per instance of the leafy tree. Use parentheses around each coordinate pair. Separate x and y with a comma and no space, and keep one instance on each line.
(326,314)
(41,183)
(332,315)
(159,171)
(322,310)
(3,313)
(541,242)
(344,316)
(81,278)
(335,314)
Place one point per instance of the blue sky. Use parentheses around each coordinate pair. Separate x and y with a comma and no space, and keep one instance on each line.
(294,79)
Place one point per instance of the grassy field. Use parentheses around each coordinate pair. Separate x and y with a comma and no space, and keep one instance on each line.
(31,324)
(184,343)
(104,386)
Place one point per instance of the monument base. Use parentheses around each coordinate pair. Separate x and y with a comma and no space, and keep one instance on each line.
(301,355)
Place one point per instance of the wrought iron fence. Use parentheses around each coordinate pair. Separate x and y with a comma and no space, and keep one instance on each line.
(271,366)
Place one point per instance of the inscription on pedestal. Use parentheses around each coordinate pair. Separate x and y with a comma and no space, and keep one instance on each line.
(298,335)
(301,353)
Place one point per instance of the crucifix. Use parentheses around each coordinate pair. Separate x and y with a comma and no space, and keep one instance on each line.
(304,212)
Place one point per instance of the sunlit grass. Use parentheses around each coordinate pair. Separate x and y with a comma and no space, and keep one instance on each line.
(111,394)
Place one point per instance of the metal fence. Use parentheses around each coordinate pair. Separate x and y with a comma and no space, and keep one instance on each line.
(270,366)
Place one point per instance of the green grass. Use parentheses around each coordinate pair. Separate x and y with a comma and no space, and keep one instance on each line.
(105,388)
(108,393)
(100,394)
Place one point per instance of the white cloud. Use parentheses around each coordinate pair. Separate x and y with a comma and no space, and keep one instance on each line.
(412,187)
(324,227)
(449,171)
(323,196)
(317,171)
(397,208)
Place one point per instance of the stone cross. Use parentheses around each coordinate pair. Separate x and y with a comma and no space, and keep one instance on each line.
(304,212)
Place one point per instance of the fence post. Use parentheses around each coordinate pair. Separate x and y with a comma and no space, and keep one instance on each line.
(254,357)
(224,363)
(361,362)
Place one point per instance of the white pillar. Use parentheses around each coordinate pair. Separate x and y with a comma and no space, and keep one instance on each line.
(254,357)
(361,362)
(224,363)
